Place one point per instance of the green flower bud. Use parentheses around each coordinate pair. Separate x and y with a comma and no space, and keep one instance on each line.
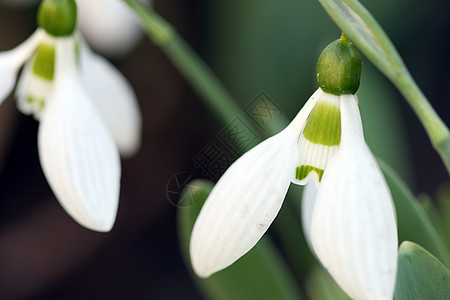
(58,17)
(339,68)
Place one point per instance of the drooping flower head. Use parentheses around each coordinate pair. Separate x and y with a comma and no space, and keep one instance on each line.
(87,111)
(348,214)
(109,26)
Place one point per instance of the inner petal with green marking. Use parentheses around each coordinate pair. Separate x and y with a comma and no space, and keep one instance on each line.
(324,124)
(319,140)
(36,82)
(44,61)
(38,77)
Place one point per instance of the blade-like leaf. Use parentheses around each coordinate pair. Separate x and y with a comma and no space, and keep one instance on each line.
(321,286)
(260,274)
(413,222)
(420,275)
(443,198)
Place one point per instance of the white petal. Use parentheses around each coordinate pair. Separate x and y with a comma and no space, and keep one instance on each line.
(242,205)
(109,26)
(353,229)
(77,153)
(308,202)
(12,60)
(246,200)
(114,100)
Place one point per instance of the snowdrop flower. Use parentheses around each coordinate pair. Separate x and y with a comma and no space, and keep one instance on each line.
(349,218)
(109,26)
(87,112)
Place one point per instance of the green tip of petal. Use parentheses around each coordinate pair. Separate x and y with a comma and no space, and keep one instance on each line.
(339,68)
(303,171)
(58,17)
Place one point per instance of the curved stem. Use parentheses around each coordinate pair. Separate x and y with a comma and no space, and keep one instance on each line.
(199,75)
(365,32)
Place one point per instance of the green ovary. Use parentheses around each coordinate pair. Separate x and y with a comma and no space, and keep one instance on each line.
(44,61)
(303,171)
(324,125)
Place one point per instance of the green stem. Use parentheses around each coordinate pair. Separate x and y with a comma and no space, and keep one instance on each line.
(188,63)
(437,130)
(365,32)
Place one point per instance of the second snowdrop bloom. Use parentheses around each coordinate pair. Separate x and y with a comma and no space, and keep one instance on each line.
(87,112)
(348,213)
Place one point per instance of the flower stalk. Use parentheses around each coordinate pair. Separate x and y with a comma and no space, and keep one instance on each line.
(365,32)
(199,75)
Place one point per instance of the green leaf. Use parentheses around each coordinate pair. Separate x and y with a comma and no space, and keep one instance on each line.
(432,212)
(412,221)
(420,275)
(443,199)
(260,274)
(321,286)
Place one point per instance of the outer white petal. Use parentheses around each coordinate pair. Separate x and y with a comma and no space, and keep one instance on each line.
(353,230)
(109,26)
(114,100)
(308,202)
(245,200)
(12,60)
(77,153)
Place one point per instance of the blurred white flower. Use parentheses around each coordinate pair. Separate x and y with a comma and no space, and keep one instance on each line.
(88,113)
(109,26)
(351,222)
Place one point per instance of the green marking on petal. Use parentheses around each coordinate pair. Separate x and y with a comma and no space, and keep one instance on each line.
(303,171)
(44,61)
(77,53)
(31,100)
(324,125)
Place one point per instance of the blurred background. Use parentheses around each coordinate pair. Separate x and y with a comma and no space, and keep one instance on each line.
(253,46)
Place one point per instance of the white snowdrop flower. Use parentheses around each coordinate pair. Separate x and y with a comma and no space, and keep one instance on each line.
(87,111)
(109,26)
(348,213)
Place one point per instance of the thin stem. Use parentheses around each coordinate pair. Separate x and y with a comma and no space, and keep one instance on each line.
(365,32)
(433,124)
(344,38)
(198,74)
